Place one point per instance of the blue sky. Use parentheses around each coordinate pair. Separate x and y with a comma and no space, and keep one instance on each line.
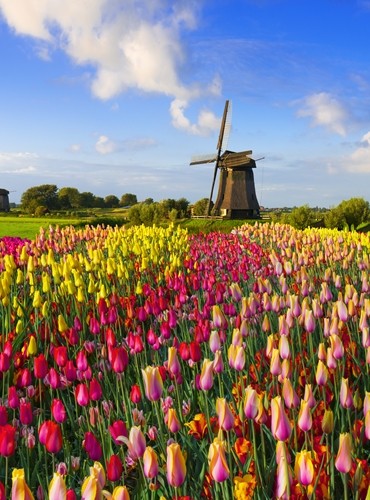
(117,96)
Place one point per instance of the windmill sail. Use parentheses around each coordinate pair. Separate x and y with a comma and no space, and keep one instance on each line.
(222,138)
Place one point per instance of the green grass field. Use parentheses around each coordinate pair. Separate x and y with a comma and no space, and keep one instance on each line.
(28,227)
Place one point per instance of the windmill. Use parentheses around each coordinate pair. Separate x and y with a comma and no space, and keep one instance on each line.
(4,200)
(236,198)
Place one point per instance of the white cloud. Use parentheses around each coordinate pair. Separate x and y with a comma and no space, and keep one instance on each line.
(324,110)
(104,145)
(359,161)
(206,124)
(130,44)
(74,148)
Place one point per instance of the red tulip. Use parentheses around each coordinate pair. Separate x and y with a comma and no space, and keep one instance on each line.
(114,468)
(92,446)
(3,415)
(60,355)
(119,359)
(13,398)
(195,351)
(7,440)
(118,429)
(95,390)
(81,361)
(25,413)
(54,379)
(50,436)
(40,366)
(82,395)
(70,371)
(135,394)
(4,362)
(58,411)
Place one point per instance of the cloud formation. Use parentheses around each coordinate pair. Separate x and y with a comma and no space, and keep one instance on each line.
(104,145)
(130,45)
(324,110)
(359,162)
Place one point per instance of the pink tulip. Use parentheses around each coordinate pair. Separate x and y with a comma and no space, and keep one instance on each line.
(218,468)
(290,396)
(153,383)
(280,425)
(57,488)
(303,469)
(343,461)
(206,375)
(345,395)
(150,463)
(304,417)
(225,416)
(250,403)
(176,468)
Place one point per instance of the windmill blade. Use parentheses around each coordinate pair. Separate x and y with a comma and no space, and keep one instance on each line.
(212,188)
(199,159)
(225,126)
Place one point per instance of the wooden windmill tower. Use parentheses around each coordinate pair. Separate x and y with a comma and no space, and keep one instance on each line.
(4,200)
(236,198)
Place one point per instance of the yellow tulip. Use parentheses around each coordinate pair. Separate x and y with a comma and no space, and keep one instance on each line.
(20,489)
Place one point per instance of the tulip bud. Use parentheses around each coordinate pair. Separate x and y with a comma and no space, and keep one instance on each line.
(327,424)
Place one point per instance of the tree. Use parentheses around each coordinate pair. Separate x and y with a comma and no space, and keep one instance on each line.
(355,211)
(45,195)
(87,200)
(182,207)
(111,201)
(300,217)
(200,207)
(334,218)
(69,197)
(128,199)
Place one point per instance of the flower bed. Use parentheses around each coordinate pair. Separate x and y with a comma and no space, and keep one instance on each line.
(147,363)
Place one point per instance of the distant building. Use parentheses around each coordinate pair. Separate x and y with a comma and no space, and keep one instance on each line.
(4,200)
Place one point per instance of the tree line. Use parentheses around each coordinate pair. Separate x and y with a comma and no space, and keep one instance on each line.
(349,214)
(45,198)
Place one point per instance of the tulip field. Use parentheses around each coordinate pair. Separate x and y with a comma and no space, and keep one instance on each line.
(147,363)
